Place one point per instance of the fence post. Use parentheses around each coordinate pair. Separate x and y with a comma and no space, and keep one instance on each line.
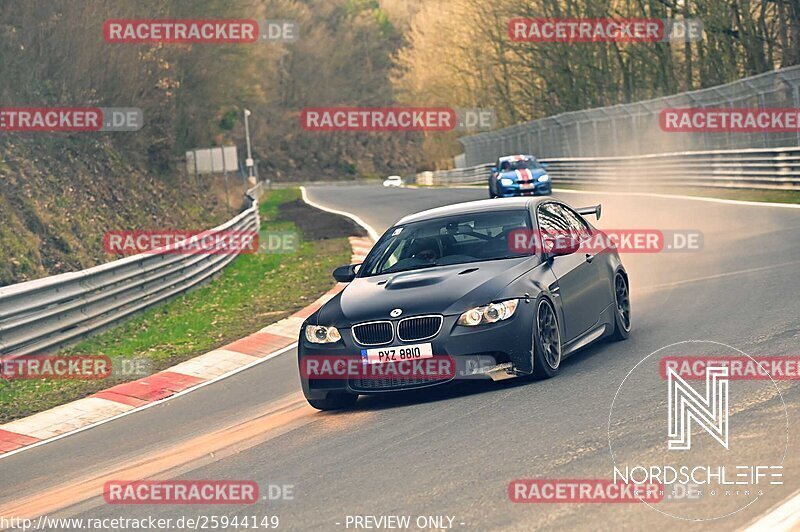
(196,173)
(797,106)
(225,171)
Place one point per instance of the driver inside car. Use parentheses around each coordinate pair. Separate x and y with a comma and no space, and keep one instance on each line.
(425,249)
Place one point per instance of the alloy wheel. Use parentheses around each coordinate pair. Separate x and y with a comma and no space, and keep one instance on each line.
(623,301)
(549,336)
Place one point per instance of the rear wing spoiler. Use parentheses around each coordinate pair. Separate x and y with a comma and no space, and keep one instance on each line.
(585,211)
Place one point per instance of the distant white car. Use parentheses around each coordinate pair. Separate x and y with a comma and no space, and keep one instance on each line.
(393,181)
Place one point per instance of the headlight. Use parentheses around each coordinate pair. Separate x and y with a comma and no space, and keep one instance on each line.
(506,182)
(491,313)
(319,334)
(544,178)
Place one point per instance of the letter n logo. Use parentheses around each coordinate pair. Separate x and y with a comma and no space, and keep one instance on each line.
(685,405)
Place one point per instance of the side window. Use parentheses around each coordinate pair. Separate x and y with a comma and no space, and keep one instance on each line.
(395,255)
(576,222)
(552,223)
(551,219)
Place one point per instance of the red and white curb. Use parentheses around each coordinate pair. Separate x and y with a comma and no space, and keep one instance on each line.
(182,378)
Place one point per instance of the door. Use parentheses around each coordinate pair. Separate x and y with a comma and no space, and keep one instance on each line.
(580,277)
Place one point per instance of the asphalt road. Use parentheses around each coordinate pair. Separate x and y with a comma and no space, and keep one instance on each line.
(453,452)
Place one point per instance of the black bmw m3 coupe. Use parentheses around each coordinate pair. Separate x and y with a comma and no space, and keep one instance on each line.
(491,286)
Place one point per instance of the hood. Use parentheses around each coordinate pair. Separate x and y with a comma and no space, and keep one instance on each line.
(440,290)
(523,175)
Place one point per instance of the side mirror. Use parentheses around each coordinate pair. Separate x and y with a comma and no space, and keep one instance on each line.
(560,245)
(494,170)
(345,274)
(545,165)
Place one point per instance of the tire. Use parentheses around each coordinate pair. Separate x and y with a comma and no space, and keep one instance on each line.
(622,308)
(334,401)
(492,195)
(546,341)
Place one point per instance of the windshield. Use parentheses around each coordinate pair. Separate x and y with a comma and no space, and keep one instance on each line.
(524,164)
(448,240)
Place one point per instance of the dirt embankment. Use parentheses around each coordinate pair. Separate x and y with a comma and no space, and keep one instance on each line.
(59,194)
(316,224)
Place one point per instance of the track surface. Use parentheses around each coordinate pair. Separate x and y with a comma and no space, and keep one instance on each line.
(453,452)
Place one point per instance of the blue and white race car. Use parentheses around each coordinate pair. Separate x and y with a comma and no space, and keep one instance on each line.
(519,175)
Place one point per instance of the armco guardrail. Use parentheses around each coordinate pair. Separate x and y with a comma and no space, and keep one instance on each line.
(43,314)
(765,169)
(460,176)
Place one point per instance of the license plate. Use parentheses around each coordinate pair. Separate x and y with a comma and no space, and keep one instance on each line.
(526,186)
(382,355)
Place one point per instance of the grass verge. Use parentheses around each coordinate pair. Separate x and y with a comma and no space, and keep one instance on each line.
(252,292)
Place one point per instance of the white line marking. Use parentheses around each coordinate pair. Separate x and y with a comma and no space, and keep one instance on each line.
(718,276)
(149,405)
(372,233)
(677,196)
(785,517)
(665,196)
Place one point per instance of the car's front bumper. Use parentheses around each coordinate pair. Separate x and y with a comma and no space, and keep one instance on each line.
(524,189)
(473,349)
